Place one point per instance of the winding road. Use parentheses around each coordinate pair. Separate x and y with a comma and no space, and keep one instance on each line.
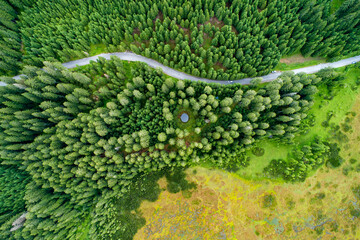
(129,56)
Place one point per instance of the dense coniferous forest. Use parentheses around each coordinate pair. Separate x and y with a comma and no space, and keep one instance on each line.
(213,39)
(81,135)
(11,49)
(81,148)
(12,191)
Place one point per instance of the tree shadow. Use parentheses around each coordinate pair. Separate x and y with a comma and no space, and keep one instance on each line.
(146,187)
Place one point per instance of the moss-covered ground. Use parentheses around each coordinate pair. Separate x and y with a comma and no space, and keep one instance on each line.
(96,49)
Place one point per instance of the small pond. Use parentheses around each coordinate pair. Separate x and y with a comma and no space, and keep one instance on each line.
(184,117)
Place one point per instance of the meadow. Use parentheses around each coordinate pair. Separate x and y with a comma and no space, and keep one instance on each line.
(338,106)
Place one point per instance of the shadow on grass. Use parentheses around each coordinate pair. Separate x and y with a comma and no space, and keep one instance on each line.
(146,188)
(176,182)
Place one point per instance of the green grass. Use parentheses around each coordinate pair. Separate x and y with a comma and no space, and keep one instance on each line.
(83,230)
(127,65)
(96,49)
(340,105)
(292,66)
(335,5)
(207,43)
(190,125)
(273,150)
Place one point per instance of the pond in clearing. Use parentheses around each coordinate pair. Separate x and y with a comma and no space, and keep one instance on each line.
(184,117)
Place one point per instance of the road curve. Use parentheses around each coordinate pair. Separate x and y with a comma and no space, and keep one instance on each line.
(129,56)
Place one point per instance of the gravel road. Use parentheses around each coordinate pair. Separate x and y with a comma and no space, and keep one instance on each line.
(129,56)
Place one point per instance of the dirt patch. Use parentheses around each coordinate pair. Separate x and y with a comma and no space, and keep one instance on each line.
(146,42)
(298,58)
(234,30)
(186,30)
(22,48)
(137,43)
(216,22)
(159,16)
(218,66)
(172,44)
(136,31)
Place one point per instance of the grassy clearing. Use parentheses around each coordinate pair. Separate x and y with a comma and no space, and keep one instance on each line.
(335,4)
(190,125)
(272,150)
(84,229)
(96,49)
(340,105)
(297,61)
(127,65)
(351,151)
(207,43)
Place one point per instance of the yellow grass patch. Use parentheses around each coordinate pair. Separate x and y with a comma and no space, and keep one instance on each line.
(298,58)
(226,207)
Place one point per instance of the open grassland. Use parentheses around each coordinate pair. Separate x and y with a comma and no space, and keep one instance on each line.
(226,207)
(272,150)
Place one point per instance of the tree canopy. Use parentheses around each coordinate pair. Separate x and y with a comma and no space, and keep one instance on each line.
(84,134)
(214,39)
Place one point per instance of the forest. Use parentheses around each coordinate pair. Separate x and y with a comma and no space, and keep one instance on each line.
(81,148)
(86,134)
(213,39)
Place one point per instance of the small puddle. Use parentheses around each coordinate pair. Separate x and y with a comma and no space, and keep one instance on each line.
(184,117)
